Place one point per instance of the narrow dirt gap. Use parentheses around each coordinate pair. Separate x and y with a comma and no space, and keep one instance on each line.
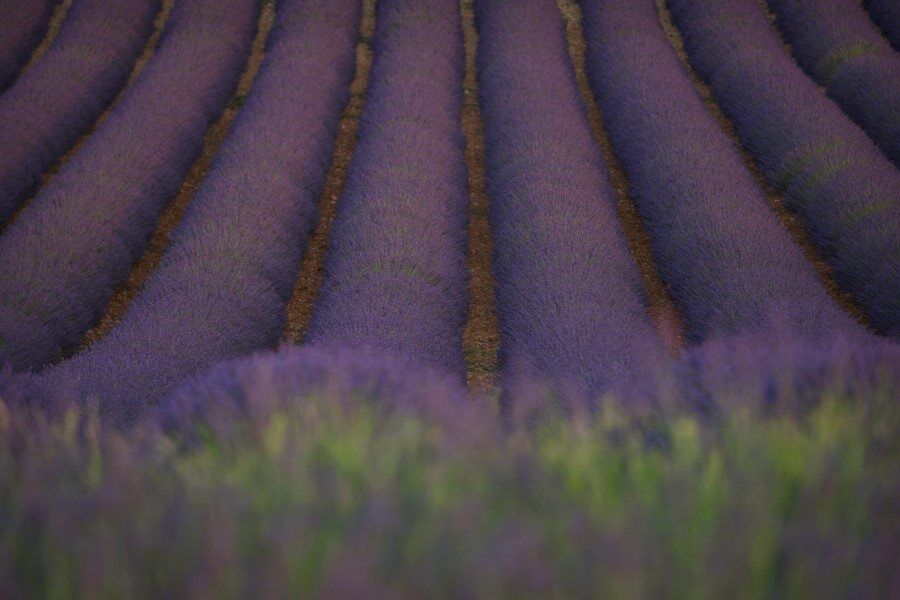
(171,216)
(481,337)
(309,278)
(147,53)
(663,312)
(56,20)
(790,220)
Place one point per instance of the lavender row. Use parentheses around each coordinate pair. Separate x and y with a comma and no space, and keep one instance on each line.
(570,300)
(61,259)
(22,27)
(52,104)
(838,46)
(886,14)
(221,289)
(395,273)
(830,172)
(727,261)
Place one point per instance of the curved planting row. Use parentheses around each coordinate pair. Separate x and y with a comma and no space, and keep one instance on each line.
(61,259)
(886,14)
(726,259)
(395,273)
(837,45)
(63,93)
(830,172)
(22,26)
(570,300)
(222,286)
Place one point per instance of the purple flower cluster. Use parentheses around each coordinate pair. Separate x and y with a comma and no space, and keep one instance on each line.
(61,259)
(886,14)
(839,47)
(239,393)
(22,26)
(831,173)
(726,259)
(395,273)
(63,93)
(781,371)
(570,300)
(221,289)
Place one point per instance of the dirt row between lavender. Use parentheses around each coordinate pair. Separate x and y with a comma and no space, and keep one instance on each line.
(312,266)
(56,20)
(481,338)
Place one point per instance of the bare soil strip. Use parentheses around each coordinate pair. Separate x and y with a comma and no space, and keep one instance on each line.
(776,200)
(171,216)
(149,49)
(56,20)
(481,337)
(663,312)
(309,279)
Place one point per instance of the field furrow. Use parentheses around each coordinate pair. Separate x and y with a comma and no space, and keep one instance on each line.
(22,27)
(838,46)
(730,265)
(64,255)
(830,172)
(395,272)
(481,337)
(570,299)
(59,96)
(312,270)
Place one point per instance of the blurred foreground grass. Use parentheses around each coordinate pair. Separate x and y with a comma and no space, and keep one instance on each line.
(338,499)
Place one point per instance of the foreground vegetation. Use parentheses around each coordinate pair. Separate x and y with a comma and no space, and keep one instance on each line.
(336,496)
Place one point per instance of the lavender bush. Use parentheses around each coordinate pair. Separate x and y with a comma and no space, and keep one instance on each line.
(830,172)
(569,297)
(222,286)
(886,14)
(246,393)
(727,261)
(311,474)
(62,94)
(22,27)
(60,261)
(395,272)
(838,46)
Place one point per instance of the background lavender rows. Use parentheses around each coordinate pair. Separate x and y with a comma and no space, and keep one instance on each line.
(572,306)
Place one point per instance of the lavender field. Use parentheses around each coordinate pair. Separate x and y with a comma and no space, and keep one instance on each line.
(449,298)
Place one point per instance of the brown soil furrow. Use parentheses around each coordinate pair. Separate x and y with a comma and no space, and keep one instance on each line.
(171,216)
(481,337)
(309,278)
(56,20)
(776,200)
(663,311)
(145,56)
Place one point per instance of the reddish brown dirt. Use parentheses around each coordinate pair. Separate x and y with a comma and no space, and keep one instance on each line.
(663,312)
(56,20)
(309,279)
(776,200)
(481,337)
(147,53)
(171,216)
